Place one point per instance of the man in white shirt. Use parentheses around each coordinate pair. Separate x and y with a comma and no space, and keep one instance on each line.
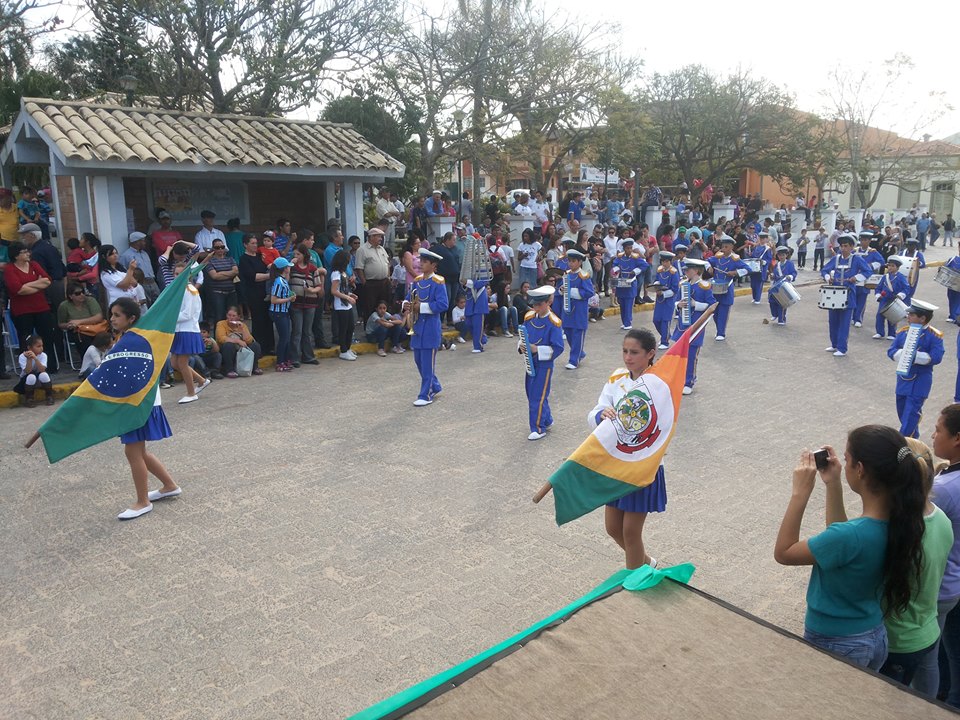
(386,210)
(523,206)
(539,208)
(208,233)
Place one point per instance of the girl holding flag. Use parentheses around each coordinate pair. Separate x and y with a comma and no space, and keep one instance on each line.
(624,518)
(124,313)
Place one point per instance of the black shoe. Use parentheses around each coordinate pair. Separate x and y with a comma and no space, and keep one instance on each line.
(324,346)
(311,361)
(216,375)
(296,364)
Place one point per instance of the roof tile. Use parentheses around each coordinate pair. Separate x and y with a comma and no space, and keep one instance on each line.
(89,131)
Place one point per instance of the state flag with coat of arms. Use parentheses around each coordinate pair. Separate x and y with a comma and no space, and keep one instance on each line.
(623,455)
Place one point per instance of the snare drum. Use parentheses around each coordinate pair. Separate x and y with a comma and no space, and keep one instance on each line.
(873,281)
(894,311)
(754,265)
(720,287)
(625,282)
(948,277)
(785,293)
(834,297)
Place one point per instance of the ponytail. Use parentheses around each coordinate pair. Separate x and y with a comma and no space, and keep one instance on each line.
(896,472)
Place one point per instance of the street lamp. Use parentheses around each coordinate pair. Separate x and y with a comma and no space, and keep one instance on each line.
(458,116)
(129,84)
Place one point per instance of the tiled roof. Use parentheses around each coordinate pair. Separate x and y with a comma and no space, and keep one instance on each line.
(107,133)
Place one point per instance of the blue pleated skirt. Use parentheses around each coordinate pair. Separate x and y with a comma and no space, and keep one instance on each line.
(187,343)
(652,498)
(155,428)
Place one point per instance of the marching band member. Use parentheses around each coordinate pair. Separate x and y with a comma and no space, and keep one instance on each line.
(475,312)
(701,297)
(875,260)
(913,389)
(627,267)
(727,265)
(567,244)
(913,250)
(433,302)
(953,297)
(552,277)
(894,284)
(668,280)
(624,518)
(761,252)
(680,263)
(545,339)
(575,322)
(783,269)
(844,269)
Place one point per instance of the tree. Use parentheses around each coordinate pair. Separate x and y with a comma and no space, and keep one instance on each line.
(871,157)
(32,83)
(624,140)
(17,35)
(260,57)
(710,128)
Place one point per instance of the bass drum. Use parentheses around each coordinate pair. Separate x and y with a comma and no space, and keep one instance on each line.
(894,311)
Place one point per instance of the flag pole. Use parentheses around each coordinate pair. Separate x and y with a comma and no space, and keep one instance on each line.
(694,330)
(33,439)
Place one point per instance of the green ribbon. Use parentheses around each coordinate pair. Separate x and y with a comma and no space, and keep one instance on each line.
(645,577)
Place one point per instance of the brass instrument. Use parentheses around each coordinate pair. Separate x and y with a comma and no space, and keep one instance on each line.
(413,311)
(685,311)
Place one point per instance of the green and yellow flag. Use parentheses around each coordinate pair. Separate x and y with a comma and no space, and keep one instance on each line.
(118,396)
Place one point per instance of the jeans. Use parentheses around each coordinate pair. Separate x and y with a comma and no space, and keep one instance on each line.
(941,669)
(818,256)
(216,304)
(381,334)
(344,332)
(461,328)
(526,275)
(867,649)
(206,362)
(301,346)
(281,321)
(902,667)
(508,319)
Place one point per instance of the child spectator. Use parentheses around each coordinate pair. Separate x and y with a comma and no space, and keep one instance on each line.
(139,294)
(268,253)
(27,207)
(459,317)
(382,327)
(92,358)
(209,362)
(33,371)
(74,256)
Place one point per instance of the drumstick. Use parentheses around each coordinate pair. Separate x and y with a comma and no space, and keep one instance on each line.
(694,329)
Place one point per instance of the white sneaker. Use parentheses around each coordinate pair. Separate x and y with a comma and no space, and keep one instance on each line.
(460,339)
(591,320)
(687,390)
(476,351)
(420,403)
(839,353)
(570,366)
(877,336)
(188,399)
(627,327)
(347,356)
(781,322)
(129,514)
(452,347)
(773,319)
(720,338)
(352,354)
(536,436)
(661,346)
(858,324)
(756,302)
(204,385)
(891,337)
(830,349)
(508,334)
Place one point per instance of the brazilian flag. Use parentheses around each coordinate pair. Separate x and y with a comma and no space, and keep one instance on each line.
(118,396)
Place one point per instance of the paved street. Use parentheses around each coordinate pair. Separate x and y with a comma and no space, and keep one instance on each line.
(334,545)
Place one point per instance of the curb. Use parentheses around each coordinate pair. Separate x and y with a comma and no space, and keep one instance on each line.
(10,399)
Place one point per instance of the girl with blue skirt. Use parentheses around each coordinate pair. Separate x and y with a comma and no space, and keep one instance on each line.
(624,518)
(124,313)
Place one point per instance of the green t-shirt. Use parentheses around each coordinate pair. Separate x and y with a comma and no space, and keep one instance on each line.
(234,240)
(916,627)
(846,582)
(68,311)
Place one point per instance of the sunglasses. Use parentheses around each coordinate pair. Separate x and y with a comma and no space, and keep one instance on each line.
(219,247)
(78,292)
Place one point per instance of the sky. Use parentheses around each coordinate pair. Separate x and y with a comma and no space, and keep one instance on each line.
(792,44)
(796,45)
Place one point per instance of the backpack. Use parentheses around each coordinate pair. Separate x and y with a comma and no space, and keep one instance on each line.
(497,263)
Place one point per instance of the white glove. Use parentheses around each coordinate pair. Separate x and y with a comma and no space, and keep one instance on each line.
(743,273)
(877,298)
(425,309)
(790,278)
(637,272)
(922,358)
(875,266)
(826,278)
(902,296)
(668,293)
(897,354)
(575,294)
(699,306)
(470,284)
(544,352)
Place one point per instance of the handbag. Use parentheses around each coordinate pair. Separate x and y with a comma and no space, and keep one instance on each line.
(245,360)
(93,328)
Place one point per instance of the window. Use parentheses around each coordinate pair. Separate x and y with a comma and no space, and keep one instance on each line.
(909,195)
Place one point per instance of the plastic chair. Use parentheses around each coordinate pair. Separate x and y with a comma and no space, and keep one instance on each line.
(10,339)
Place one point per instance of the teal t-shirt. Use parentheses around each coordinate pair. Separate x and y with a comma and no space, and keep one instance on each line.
(916,627)
(846,582)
